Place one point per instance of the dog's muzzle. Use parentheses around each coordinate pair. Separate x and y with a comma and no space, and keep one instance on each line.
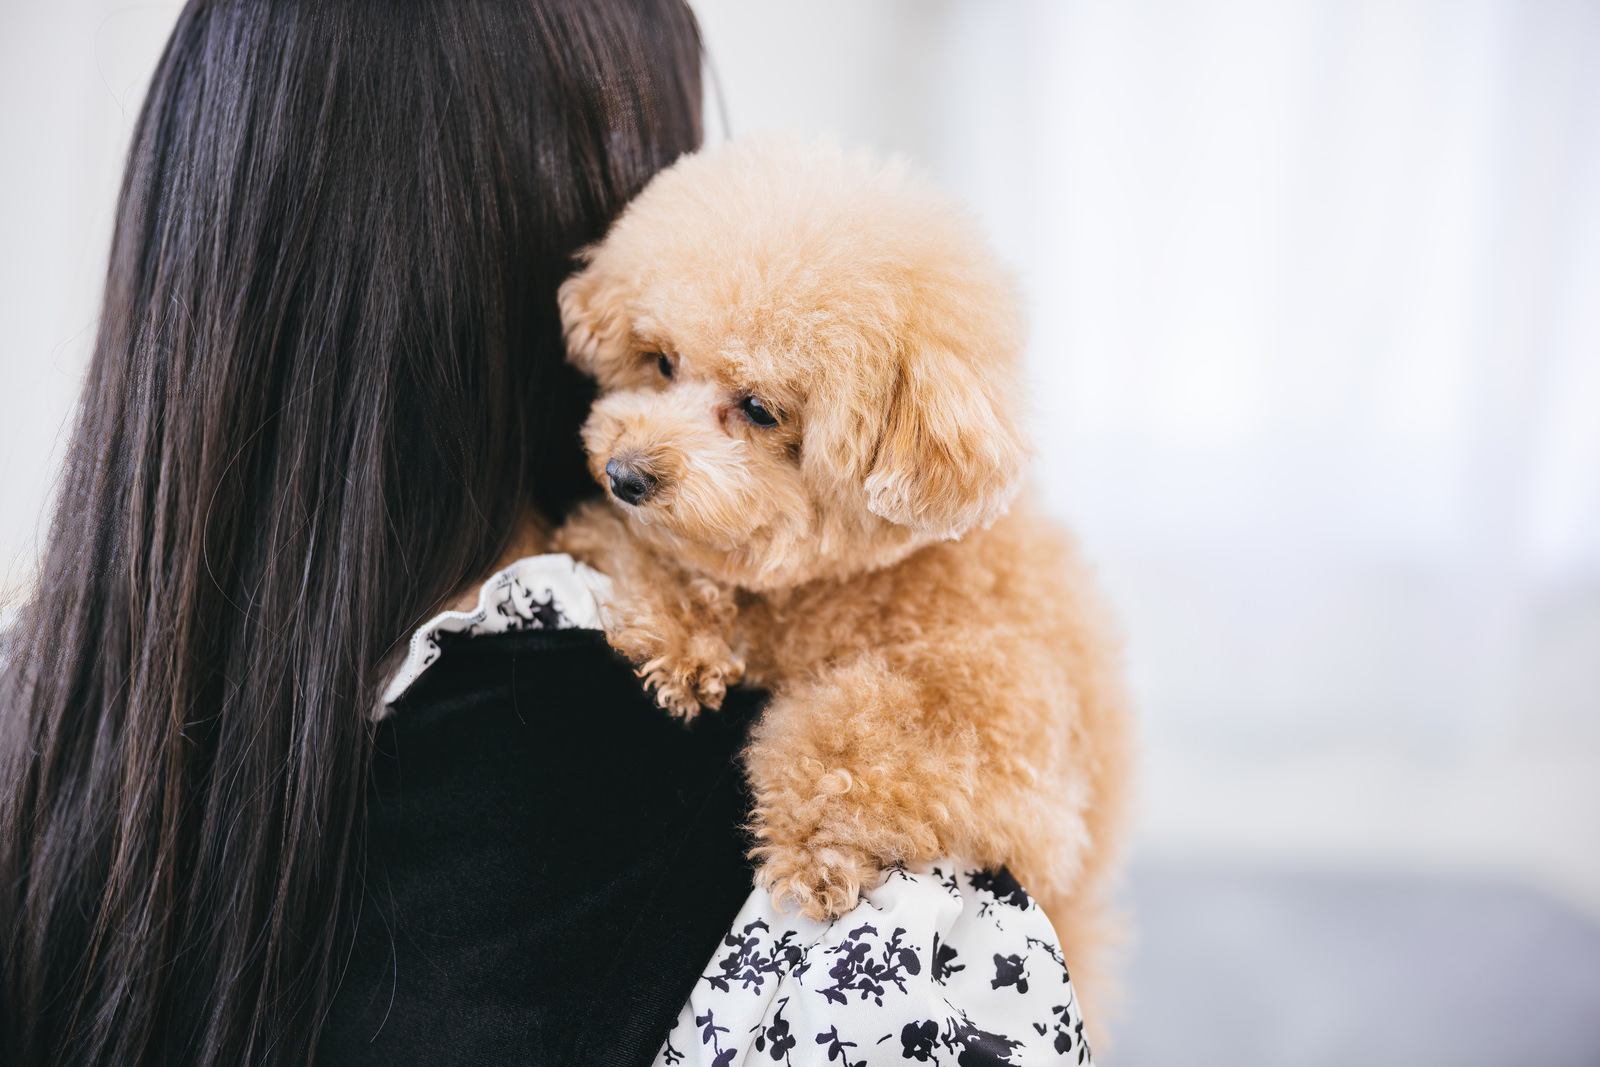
(629,483)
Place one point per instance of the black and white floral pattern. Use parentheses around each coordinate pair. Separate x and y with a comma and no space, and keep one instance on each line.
(940,965)
(549,592)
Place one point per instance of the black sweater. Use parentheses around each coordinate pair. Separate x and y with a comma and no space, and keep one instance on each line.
(551,862)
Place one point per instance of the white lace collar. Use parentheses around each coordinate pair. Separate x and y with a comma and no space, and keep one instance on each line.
(549,592)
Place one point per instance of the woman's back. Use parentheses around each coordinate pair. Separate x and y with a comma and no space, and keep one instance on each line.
(327,386)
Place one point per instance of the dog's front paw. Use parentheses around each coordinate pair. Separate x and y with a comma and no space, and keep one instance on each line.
(821,881)
(700,678)
(677,694)
(711,681)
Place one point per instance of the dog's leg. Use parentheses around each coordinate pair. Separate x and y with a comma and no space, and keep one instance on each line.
(673,633)
(671,625)
(850,775)
(864,766)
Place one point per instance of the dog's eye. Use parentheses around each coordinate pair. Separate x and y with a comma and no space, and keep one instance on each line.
(663,364)
(757,412)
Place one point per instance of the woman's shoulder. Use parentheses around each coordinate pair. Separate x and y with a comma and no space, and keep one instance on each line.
(938,964)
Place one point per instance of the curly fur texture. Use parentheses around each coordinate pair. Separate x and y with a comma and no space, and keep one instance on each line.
(943,677)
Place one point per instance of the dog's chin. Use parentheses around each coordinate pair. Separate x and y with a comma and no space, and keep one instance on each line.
(768,559)
(760,560)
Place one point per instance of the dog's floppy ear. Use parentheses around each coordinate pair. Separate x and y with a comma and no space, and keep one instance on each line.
(592,317)
(951,454)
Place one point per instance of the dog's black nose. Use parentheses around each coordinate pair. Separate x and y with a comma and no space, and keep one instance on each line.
(628,483)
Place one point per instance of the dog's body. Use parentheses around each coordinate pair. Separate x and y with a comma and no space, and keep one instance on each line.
(808,366)
(962,702)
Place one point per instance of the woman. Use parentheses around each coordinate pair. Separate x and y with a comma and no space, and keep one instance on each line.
(327,397)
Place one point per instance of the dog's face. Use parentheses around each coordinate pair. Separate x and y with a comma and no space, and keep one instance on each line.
(807,365)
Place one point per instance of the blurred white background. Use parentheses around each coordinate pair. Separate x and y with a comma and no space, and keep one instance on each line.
(1315,296)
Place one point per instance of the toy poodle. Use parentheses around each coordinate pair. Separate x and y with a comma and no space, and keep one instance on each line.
(810,427)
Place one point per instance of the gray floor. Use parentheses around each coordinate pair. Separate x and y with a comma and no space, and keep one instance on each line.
(1272,970)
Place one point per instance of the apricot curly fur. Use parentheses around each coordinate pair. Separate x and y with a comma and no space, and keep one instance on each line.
(944,677)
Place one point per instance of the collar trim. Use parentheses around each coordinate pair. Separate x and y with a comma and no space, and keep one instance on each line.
(548,592)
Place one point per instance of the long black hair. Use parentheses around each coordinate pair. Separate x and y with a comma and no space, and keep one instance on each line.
(328,380)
